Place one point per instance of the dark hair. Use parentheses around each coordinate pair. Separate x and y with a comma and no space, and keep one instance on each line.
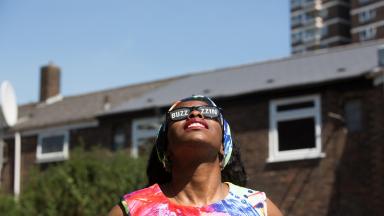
(233,172)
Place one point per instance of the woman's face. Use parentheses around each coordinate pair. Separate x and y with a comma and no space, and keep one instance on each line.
(195,134)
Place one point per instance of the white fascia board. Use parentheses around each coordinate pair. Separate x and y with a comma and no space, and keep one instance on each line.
(73,126)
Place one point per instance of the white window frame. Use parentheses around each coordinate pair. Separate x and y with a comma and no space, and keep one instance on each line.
(274,117)
(52,156)
(139,134)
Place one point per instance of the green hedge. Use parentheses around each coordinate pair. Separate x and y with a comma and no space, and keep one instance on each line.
(89,183)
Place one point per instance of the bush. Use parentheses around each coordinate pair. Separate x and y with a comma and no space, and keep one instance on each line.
(9,205)
(90,183)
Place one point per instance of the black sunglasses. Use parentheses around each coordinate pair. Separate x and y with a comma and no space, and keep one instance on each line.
(182,113)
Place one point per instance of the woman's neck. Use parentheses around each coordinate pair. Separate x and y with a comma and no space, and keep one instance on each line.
(197,185)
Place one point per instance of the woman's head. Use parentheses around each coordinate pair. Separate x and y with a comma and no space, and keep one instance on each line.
(191,134)
(193,126)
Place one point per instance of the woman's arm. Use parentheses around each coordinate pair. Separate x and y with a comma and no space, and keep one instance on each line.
(116,211)
(272,209)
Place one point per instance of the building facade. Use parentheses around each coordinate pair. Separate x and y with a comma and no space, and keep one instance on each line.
(367,20)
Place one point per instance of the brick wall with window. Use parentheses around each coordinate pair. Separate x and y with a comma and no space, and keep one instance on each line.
(329,184)
(323,185)
(368,16)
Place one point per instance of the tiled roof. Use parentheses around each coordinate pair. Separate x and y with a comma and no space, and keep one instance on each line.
(79,108)
(317,67)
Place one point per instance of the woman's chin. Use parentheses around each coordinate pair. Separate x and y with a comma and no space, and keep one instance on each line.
(197,145)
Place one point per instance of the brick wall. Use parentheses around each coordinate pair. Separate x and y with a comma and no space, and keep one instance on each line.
(28,159)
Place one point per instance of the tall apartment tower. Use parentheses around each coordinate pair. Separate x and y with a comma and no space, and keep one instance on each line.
(319,24)
(367,20)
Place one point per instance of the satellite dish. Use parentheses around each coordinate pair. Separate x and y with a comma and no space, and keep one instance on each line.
(8,104)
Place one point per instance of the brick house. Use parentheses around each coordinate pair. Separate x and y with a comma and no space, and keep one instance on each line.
(310,127)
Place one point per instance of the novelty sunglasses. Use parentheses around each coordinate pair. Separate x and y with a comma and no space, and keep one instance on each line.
(182,113)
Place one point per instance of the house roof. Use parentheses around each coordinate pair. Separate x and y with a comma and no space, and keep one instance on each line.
(316,67)
(79,108)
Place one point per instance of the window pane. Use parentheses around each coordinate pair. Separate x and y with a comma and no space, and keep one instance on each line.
(144,134)
(52,144)
(296,134)
(118,138)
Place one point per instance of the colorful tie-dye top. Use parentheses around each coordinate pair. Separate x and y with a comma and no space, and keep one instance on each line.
(152,201)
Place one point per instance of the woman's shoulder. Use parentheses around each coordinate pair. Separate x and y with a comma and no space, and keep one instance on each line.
(257,199)
(248,193)
(140,200)
(144,194)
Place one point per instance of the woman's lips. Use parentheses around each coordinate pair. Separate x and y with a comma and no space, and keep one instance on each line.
(195,124)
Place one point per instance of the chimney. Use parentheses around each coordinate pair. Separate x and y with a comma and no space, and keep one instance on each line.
(49,82)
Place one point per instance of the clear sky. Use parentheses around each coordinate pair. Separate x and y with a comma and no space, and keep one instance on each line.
(106,44)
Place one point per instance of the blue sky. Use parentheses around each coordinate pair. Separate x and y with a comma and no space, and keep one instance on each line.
(107,44)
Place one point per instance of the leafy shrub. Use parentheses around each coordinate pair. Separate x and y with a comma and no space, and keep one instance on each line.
(90,183)
(9,205)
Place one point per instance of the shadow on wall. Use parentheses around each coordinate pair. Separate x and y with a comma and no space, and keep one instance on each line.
(358,188)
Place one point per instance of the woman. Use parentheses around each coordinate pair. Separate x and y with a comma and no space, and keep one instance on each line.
(192,157)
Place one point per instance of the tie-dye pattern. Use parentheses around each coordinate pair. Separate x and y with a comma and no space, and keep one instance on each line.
(152,201)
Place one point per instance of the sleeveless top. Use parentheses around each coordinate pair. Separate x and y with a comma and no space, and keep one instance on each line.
(152,201)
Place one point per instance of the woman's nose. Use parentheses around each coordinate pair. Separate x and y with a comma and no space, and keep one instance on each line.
(195,114)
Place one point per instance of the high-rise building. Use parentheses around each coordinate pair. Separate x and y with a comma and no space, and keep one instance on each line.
(319,24)
(367,20)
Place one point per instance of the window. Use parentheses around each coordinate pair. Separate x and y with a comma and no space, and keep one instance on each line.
(144,132)
(324,31)
(297,37)
(367,15)
(295,3)
(308,17)
(295,129)
(353,120)
(323,13)
(367,34)
(309,35)
(118,138)
(52,146)
(298,50)
(296,20)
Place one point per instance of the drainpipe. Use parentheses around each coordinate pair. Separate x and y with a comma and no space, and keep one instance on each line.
(16,185)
